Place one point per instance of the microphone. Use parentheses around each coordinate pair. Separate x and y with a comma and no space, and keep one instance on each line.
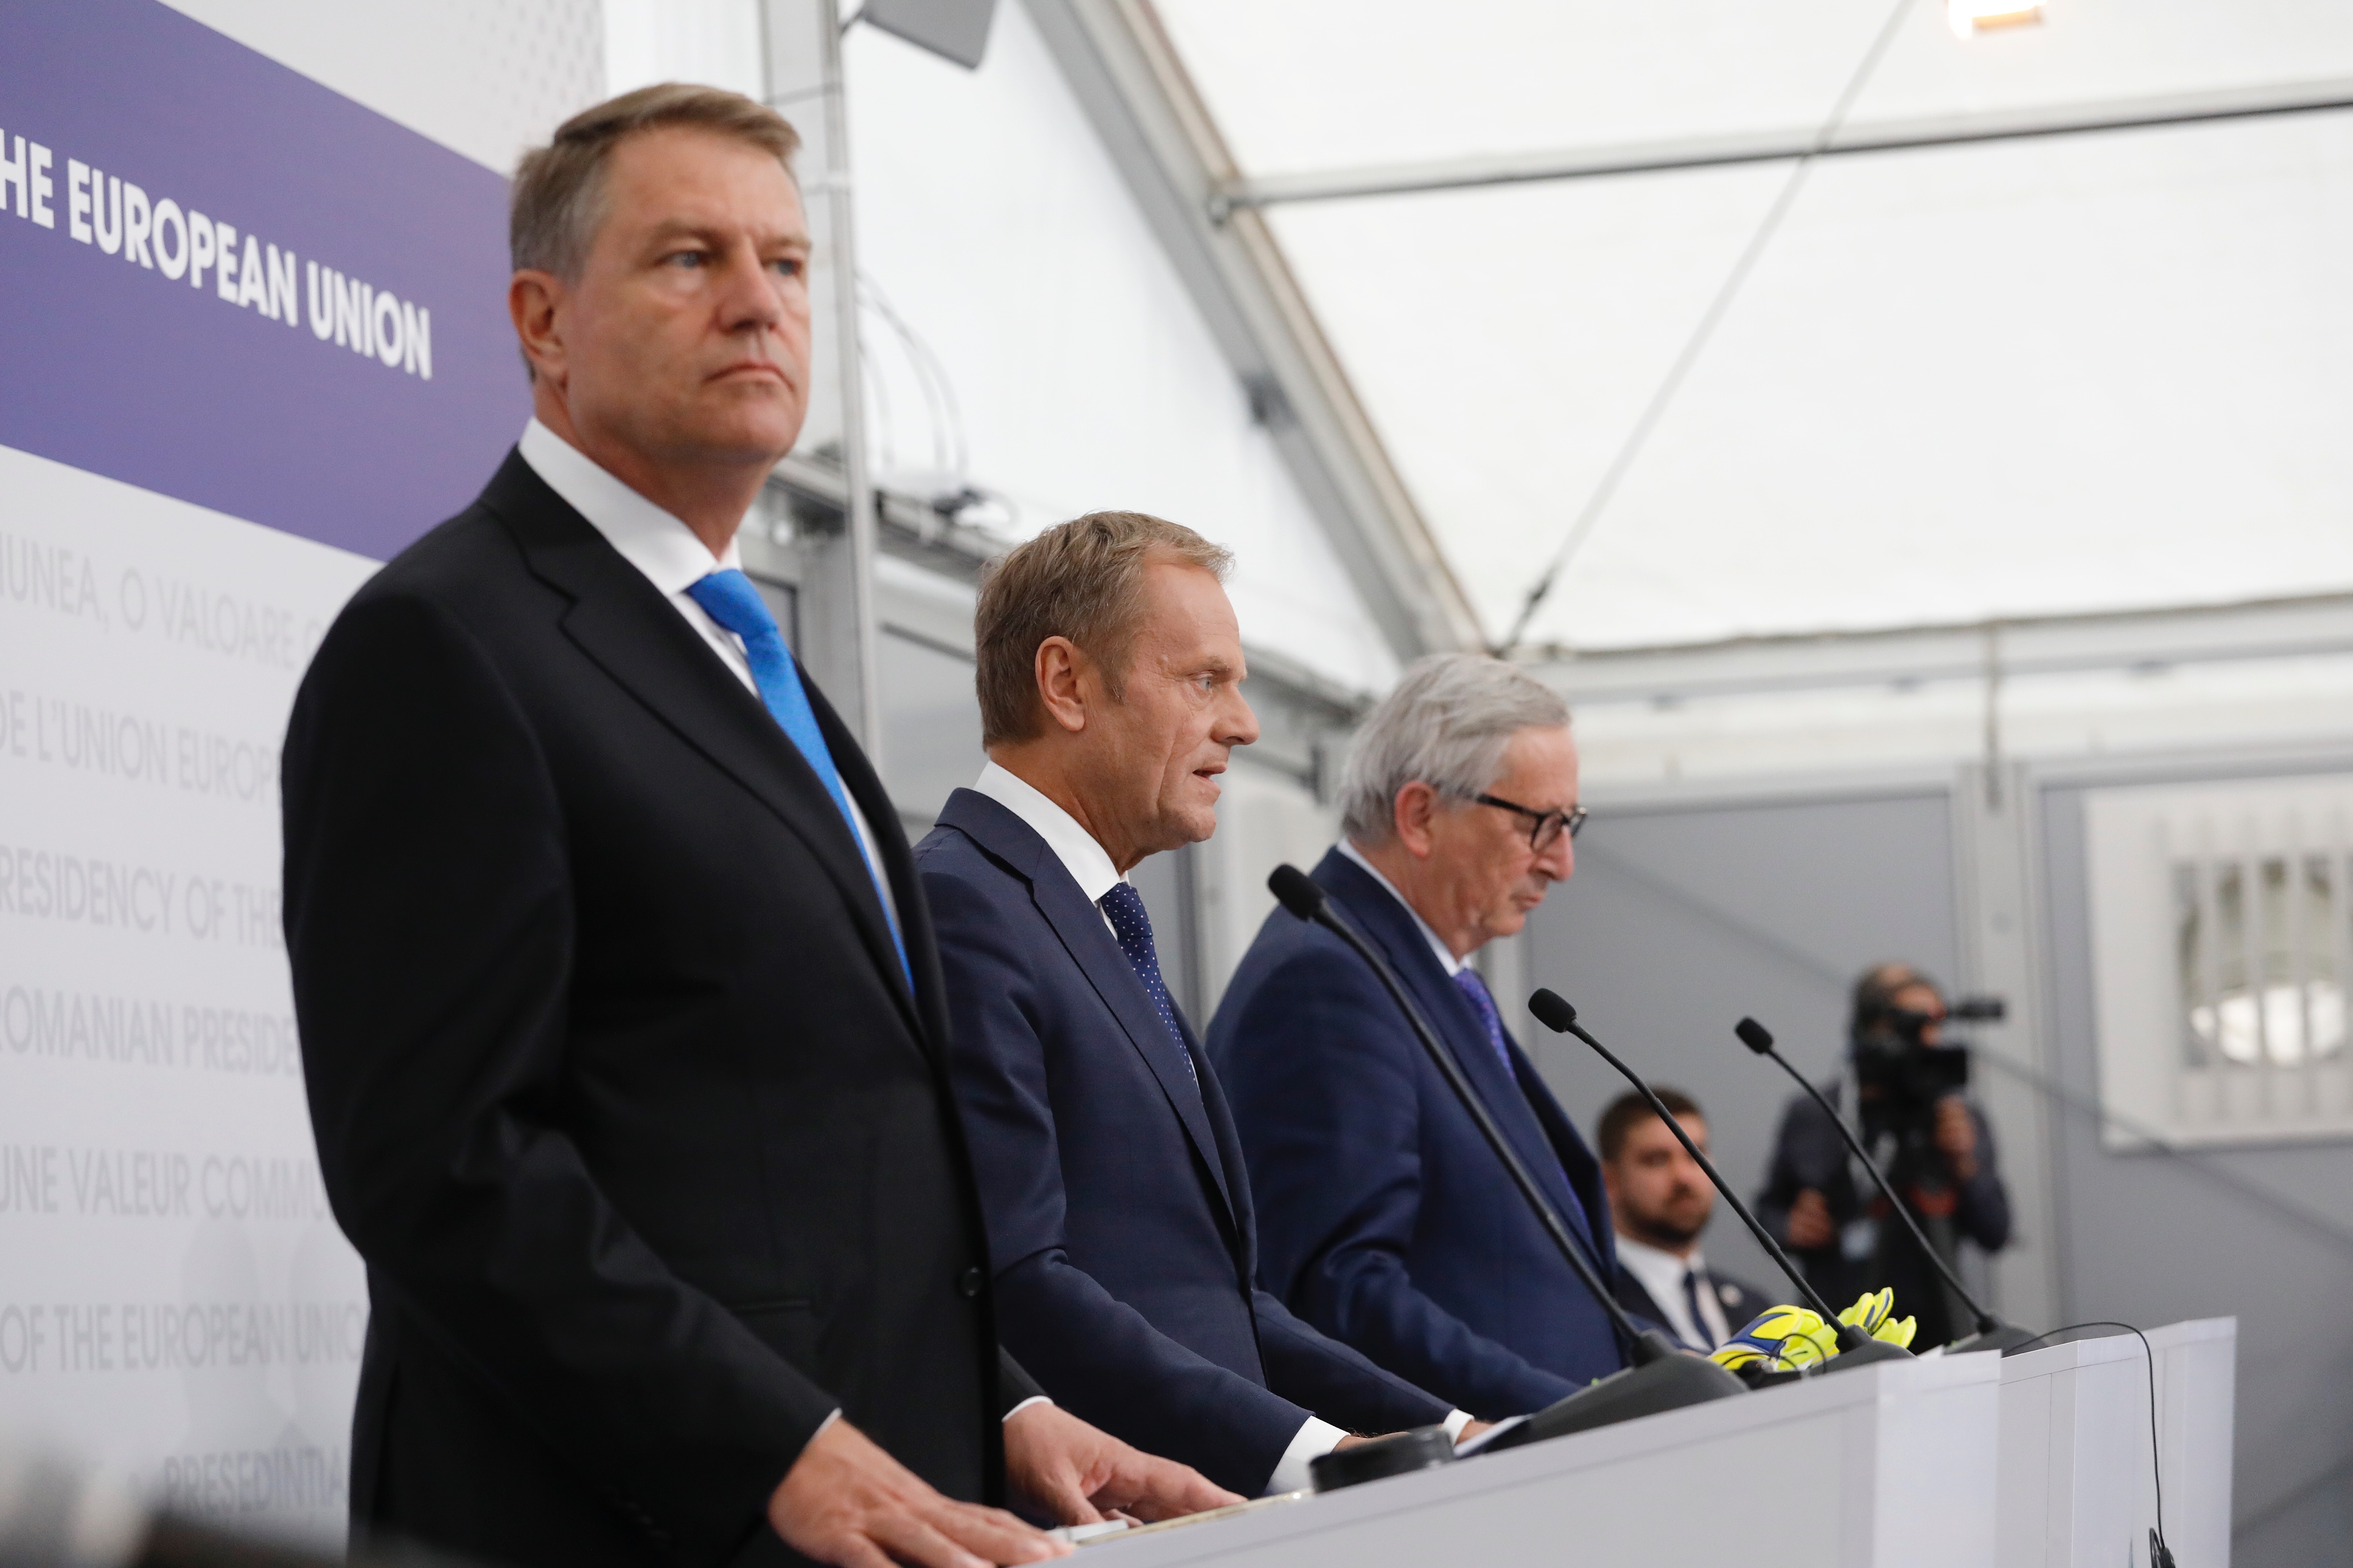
(1855,1347)
(1992,1333)
(1660,1377)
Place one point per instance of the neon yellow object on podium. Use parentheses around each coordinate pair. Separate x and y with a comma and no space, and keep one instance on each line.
(1792,1338)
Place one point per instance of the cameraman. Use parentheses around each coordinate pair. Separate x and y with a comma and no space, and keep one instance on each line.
(1933,1143)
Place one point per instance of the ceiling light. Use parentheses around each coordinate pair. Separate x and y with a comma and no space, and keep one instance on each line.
(1968,15)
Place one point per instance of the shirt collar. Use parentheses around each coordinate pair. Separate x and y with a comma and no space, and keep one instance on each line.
(1087,861)
(655,541)
(1652,1262)
(1445,954)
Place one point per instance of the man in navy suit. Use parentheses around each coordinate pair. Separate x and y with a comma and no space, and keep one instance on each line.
(1385,1218)
(1117,1204)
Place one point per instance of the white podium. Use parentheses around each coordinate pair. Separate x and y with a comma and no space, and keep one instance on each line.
(1890,1465)
(2197,1390)
(2076,1485)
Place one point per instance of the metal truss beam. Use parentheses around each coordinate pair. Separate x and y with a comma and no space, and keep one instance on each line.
(2153,639)
(1238,195)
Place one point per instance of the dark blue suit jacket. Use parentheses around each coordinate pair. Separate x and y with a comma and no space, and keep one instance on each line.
(1118,1205)
(1385,1220)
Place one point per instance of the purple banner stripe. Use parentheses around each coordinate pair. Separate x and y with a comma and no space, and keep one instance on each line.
(341,369)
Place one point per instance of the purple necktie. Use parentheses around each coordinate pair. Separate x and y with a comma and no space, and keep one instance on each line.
(1467,981)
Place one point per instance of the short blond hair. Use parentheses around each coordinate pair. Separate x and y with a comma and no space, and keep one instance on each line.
(1082,580)
(557,200)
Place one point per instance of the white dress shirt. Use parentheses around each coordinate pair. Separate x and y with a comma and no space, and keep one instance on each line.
(1088,862)
(1660,1273)
(1091,867)
(673,559)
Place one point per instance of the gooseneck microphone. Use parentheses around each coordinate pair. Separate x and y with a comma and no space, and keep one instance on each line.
(1855,1347)
(1660,1377)
(1992,1333)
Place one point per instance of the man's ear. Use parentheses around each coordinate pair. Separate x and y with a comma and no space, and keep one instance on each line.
(535,299)
(1410,813)
(1061,668)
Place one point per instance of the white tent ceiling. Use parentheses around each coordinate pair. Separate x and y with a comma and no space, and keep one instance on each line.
(2068,374)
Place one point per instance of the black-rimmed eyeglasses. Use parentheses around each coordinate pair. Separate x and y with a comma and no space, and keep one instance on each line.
(1544,828)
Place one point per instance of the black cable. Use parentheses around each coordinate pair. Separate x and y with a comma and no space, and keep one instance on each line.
(2160,1556)
(1636,439)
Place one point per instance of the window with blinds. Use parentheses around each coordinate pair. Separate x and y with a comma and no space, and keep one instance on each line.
(2223,942)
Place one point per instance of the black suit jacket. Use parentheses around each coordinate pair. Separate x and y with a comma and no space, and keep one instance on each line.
(1741,1302)
(1119,1207)
(618,1086)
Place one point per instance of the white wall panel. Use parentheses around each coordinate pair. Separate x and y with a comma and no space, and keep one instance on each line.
(999,230)
(484,77)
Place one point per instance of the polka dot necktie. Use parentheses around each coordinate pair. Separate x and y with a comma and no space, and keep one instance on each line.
(1124,907)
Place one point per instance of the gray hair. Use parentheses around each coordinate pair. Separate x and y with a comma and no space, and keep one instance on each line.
(1446,725)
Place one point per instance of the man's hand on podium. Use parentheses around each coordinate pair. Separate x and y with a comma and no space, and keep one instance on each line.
(847,1502)
(1080,1473)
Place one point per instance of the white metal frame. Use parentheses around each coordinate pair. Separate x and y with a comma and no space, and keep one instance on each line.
(2136,841)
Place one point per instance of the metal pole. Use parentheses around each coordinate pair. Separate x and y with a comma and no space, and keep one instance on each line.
(836,607)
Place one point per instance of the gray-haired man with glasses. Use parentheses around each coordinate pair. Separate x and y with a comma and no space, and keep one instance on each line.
(1383,1218)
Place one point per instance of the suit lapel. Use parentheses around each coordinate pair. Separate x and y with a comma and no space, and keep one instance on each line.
(1081,929)
(1391,927)
(623,625)
(1575,1161)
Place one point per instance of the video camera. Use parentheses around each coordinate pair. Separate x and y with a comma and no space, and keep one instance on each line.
(1902,1076)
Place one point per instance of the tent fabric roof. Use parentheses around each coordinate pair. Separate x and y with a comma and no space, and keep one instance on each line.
(2059,374)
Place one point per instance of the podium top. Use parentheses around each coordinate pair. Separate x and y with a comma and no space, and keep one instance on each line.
(2190,1330)
(1499,1487)
(2103,1348)
(2052,1359)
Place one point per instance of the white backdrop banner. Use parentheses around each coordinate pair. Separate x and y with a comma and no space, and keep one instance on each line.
(251,343)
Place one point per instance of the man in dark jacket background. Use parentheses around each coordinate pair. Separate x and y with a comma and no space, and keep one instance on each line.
(1934,1144)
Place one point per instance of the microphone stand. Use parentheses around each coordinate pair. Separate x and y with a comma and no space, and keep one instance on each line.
(1660,1377)
(1992,1333)
(1855,1347)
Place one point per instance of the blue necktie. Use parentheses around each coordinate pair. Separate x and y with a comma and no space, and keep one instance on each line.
(1467,981)
(1124,907)
(1699,1319)
(729,598)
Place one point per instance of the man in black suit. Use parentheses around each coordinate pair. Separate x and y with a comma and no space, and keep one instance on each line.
(1660,1201)
(1119,1207)
(621,1018)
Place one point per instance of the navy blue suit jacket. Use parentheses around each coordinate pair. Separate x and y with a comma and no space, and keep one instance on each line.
(1385,1220)
(1117,1204)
